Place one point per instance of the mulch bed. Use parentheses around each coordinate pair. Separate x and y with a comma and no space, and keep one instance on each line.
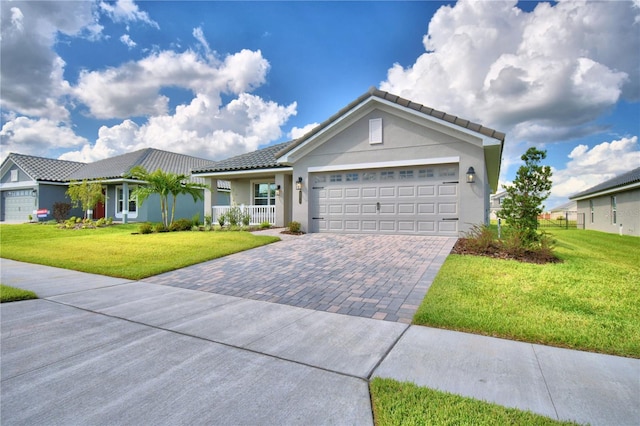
(463,247)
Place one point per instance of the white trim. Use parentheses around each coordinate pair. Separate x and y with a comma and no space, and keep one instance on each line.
(385,164)
(275,170)
(259,181)
(632,185)
(15,185)
(486,140)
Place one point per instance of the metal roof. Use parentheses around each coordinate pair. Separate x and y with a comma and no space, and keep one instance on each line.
(618,181)
(261,159)
(44,169)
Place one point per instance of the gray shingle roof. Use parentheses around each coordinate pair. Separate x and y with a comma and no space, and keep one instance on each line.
(373,92)
(261,159)
(45,169)
(622,180)
(149,158)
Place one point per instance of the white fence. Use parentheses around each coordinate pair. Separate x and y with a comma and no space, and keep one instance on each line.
(258,214)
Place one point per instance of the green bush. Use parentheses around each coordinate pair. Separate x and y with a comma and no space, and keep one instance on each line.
(222,218)
(195,219)
(160,228)
(109,221)
(146,228)
(234,216)
(208,220)
(101,222)
(265,225)
(181,225)
(246,219)
(294,227)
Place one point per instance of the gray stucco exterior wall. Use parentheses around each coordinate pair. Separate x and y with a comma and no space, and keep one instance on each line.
(627,215)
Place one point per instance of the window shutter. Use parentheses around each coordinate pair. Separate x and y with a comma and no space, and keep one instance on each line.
(375,130)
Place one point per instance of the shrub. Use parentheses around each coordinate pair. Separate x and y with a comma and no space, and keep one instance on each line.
(234,216)
(101,222)
(246,219)
(181,225)
(160,228)
(208,220)
(146,228)
(481,239)
(222,218)
(195,219)
(294,227)
(265,225)
(109,221)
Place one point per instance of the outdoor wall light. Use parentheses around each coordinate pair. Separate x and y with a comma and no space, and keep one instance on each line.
(471,175)
(34,192)
(278,192)
(299,184)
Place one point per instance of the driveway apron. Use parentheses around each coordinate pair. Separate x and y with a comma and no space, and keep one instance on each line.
(374,276)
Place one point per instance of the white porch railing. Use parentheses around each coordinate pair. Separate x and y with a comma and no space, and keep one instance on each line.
(258,214)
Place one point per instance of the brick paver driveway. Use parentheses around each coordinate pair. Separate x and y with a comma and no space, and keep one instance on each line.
(374,276)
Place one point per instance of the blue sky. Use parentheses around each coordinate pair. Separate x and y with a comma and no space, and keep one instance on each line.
(88,80)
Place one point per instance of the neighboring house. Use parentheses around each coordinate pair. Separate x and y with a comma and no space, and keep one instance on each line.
(612,206)
(567,210)
(29,184)
(496,203)
(43,181)
(383,164)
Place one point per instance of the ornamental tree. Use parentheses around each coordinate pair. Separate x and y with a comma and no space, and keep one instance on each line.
(85,194)
(523,203)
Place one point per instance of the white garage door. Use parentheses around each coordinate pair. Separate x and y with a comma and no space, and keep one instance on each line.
(412,200)
(18,205)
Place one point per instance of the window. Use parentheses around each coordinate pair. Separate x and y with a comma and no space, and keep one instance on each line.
(122,202)
(335,178)
(369,176)
(264,194)
(319,179)
(405,174)
(352,177)
(14,175)
(447,171)
(425,173)
(591,210)
(614,209)
(387,175)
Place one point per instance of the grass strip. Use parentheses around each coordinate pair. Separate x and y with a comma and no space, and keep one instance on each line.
(589,302)
(396,403)
(116,251)
(12,294)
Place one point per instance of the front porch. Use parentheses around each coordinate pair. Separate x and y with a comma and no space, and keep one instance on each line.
(257,214)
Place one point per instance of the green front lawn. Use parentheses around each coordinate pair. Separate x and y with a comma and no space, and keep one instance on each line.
(589,302)
(116,252)
(12,294)
(396,403)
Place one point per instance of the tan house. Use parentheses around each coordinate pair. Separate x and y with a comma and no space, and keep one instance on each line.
(612,206)
(383,164)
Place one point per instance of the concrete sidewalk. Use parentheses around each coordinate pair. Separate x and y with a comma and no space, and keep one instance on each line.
(99,350)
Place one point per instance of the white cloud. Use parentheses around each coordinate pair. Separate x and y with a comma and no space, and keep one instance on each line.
(538,76)
(32,74)
(199,35)
(127,11)
(202,128)
(133,89)
(36,136)
(126,40)
(589,167)
(298,132)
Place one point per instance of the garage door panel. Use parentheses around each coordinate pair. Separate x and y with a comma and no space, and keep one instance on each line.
(426,190)
(447,208)
(387,225)
(352,193)
(406,191)
(352,209)
(335,194)
(369,192)
(406,208)
(426,208)
(387,191)
(410,200)
(369,209)
(445,190)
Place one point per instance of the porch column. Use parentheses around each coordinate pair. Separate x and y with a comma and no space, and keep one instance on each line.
(125,202)
(210,195)
(281,204)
